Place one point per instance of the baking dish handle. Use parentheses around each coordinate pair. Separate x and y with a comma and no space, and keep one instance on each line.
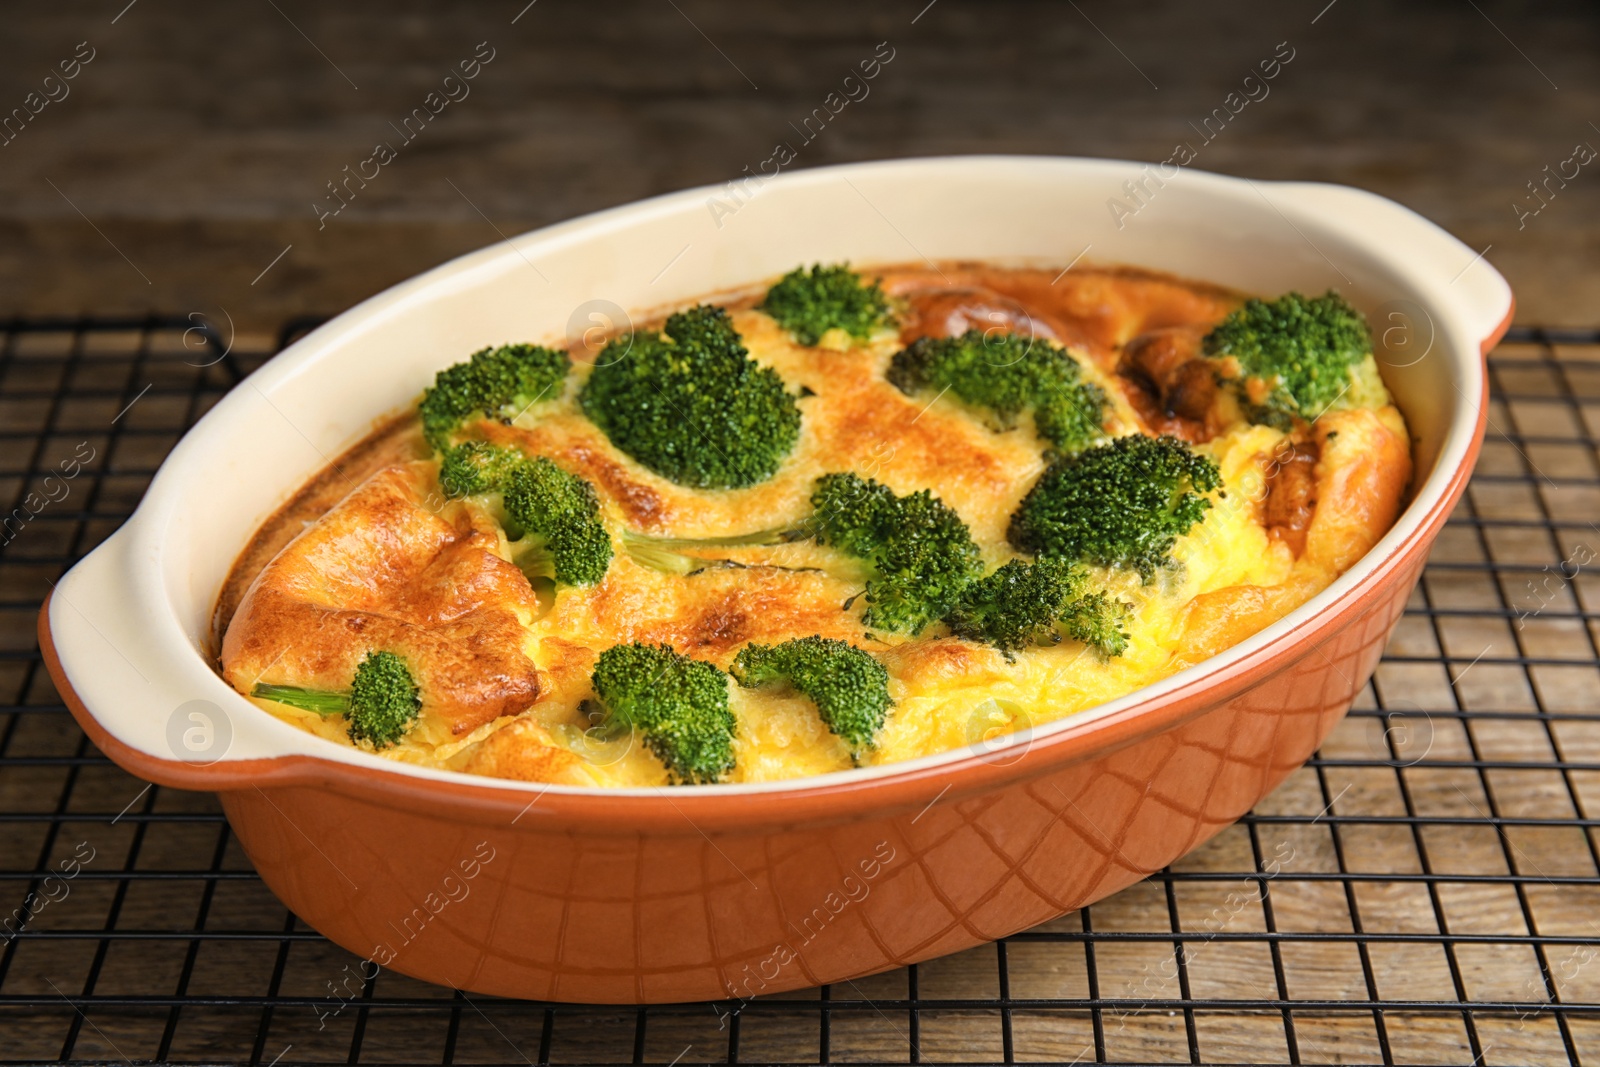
(1452,274)
(152,696)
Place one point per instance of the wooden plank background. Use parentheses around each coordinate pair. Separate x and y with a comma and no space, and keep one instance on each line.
(190,151)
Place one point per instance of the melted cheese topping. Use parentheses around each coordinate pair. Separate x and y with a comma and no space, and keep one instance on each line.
(505,674)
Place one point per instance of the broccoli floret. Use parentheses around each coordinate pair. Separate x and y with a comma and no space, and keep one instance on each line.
(478,467)
(1296,356)
(557,515)
(383,702)
(691,404)
(920,552)
(851,513)
(1100,621)
(1032,603)
(808,305)
(1122,504)
(679,704)
(848,686)
(553,517)
(1007,375)
(495,382)
(562,512)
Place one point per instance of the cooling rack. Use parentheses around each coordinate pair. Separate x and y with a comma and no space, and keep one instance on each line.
(1426,890)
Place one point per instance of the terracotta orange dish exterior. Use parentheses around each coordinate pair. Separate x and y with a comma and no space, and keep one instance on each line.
(728,892)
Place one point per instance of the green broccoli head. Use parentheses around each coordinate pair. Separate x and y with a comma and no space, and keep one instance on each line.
(562,513)
(1033,603)
(691,404)
(552,516)
(1099,621)
(495,383)
(679,704)
(808,305)
(1006,375)
(1121,504)
(921,555)
(1296,356)
(384,702)
(475,467)
(848,686)
(851,513)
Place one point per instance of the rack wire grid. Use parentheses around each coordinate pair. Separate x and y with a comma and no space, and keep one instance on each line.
(1425,890)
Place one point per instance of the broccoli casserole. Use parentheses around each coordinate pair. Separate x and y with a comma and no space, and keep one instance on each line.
(847,519)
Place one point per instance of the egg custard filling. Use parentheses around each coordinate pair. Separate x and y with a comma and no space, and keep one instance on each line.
(850,519)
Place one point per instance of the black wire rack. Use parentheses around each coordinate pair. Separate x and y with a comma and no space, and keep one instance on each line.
(1426,890)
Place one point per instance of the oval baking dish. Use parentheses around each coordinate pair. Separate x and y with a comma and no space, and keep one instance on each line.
(731,891)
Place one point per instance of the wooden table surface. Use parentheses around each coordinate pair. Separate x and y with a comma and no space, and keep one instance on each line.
(188,152)
(1426,891)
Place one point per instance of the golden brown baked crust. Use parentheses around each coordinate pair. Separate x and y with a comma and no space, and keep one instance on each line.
(382,570)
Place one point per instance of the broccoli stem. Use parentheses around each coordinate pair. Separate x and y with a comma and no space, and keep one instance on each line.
(778,535)
(662,553)
(318,700)
(532,558)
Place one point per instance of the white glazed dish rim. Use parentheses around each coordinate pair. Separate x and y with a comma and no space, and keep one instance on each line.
(133,601)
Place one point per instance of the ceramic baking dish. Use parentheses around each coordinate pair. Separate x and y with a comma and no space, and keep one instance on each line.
(731,891)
